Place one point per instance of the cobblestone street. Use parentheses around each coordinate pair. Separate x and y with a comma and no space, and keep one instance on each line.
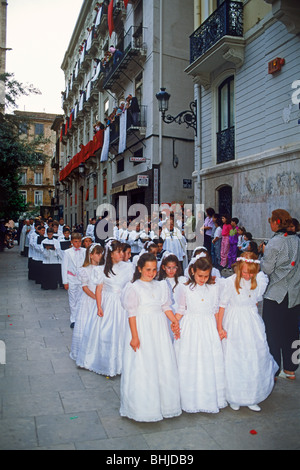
(48,403)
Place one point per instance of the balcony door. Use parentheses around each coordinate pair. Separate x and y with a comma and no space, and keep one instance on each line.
(226,124)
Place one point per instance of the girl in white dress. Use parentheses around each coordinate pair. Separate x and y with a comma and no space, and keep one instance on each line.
(103,340)
(249,367)
(93,260)
(171,273)
(149,381)
(199,349)
(201,249)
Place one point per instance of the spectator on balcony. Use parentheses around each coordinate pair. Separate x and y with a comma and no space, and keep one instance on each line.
(116,53)
(133,112)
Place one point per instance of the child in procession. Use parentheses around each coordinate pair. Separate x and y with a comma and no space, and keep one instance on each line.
(171,272)
(102,344)
(199,350)
(249,367)
(72,261)
(89,275)
(149,381)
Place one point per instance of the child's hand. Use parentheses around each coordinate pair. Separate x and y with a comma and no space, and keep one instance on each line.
(222,334)
(100,312)
(135,344)
(66,286)
(176,329)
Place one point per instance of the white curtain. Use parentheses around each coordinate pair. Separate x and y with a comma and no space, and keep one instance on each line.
(98,18)
(105,148)
(123,131)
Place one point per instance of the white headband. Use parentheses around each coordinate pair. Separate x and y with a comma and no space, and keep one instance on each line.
(199,248)
(91,247)
(109,243)
(195,258)
(256,261)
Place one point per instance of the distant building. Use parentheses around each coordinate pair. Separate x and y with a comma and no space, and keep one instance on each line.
(38,185)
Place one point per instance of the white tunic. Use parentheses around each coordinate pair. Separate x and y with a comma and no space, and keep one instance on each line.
(149,381)
(199,349)
(249,366)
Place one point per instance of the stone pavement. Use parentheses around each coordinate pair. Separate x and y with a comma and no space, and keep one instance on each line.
(48,403)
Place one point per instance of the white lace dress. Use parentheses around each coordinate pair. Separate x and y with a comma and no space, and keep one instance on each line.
(88,276)
(149,381)
(199,350)
(249,366)
(102,344)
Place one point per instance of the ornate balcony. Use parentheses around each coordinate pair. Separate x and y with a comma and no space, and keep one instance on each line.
(133,47)
(218,41)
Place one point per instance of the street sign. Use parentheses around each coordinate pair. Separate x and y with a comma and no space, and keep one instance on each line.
(137,159)
(143,180)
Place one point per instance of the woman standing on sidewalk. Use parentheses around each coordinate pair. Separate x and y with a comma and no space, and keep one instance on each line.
(281,262)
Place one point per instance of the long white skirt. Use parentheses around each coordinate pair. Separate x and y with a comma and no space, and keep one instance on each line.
(87,306)
(149,381)
(102,344)
(249,366)
(200,364)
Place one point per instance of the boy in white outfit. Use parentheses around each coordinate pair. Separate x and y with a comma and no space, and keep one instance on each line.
(73,260)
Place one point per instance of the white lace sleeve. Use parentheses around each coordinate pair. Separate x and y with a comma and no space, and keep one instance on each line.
(262,283)
(180,298)
(166,296)
(225,291)
(130,299)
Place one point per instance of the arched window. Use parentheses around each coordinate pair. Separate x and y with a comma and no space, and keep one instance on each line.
(225,200)
(226,121)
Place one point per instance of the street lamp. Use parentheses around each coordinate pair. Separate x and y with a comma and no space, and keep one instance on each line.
(188,117)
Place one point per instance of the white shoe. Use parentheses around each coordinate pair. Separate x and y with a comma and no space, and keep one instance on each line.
(234,407)
(254,408)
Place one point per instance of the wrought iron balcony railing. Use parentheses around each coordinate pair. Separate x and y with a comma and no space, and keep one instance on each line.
(226,145)
(226,20)
(132,45)
(134,121)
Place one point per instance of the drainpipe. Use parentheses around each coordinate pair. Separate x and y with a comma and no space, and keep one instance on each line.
(160,77)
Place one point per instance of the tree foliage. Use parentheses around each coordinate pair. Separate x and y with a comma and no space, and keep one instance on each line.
(15,151)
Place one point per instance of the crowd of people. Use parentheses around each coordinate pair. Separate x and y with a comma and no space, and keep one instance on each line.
(8,234)
(182,336)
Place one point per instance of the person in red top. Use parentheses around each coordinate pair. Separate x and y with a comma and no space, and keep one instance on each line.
(225,239)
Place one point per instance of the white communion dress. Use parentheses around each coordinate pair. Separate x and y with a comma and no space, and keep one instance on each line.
(149,381)
(199,349)
(89,276)
(249,366)
(102,343)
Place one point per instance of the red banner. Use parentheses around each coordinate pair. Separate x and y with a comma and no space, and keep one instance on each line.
(110,18)
(85,153)
(125,3)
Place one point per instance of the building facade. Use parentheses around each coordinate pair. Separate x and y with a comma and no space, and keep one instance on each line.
(244,59)
(117,149)
(38,185)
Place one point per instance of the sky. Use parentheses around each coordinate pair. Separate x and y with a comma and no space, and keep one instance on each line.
(39,32)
